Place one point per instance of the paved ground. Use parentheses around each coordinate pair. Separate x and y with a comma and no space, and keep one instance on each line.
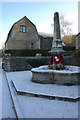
(0,91)
(36,107)
(6,106)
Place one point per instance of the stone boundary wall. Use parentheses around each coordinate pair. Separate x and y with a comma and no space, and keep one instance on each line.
(27,63)
(0,53)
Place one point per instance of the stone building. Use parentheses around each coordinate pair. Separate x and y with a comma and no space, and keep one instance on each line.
(78,41)
(78,35)
(45,40)
(22,35)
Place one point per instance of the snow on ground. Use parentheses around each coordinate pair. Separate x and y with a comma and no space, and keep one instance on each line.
(22,81)
(43,108)
(6,107)
(68,69)
(33,107)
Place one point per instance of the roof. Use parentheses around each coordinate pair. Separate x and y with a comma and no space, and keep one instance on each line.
(43,34)
(23,18)
(16,23)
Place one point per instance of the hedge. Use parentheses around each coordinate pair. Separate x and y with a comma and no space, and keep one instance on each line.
(27,52)
(32,52)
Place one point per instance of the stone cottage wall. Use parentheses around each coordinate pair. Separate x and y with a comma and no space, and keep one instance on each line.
(23,40)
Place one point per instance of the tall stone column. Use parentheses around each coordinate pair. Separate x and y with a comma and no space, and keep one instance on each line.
(57,42)
(57,34)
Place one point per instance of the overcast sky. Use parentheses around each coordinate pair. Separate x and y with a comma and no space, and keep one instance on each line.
(40,13)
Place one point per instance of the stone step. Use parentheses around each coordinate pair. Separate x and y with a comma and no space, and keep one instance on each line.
(43,95)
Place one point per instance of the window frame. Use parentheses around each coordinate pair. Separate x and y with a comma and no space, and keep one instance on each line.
(22,28)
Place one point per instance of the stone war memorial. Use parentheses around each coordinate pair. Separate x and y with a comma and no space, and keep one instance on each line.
(57,72)
(57,50)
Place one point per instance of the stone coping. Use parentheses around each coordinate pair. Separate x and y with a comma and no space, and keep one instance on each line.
(69,76)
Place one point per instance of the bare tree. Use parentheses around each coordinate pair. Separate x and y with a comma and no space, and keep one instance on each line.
(65,26)
(66,31)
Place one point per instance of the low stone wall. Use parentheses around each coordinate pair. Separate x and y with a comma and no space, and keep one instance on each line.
(27,63)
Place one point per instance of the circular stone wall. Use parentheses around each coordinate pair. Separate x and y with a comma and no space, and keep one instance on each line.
(69,76)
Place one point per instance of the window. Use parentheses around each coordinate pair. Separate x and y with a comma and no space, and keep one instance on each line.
(22,28)
(32,45)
